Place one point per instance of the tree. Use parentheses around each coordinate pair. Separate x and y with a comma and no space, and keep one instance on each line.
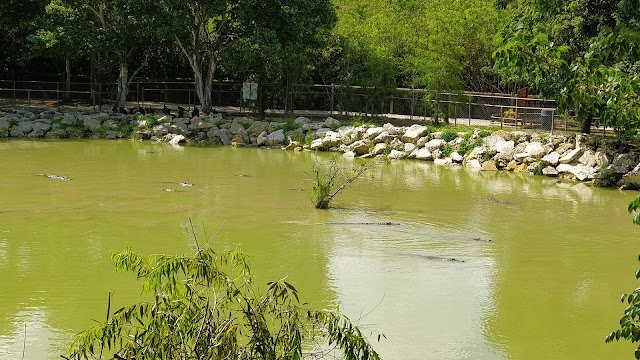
(16,21)
(585,58)
(630,321)
(206,306)
(126,29)
(203,30)
(61,33)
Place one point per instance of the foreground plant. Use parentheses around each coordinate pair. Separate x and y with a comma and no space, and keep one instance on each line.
(329,181)
(205,306)
(630,321)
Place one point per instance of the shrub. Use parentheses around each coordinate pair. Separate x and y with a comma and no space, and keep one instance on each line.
(446,149)
(606,178)
(205,306)
(449,134)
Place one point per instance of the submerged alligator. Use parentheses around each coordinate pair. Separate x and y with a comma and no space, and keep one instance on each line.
(431,257)
(184,184)
(56,177)
(503,202)
(362,223)
(171,190)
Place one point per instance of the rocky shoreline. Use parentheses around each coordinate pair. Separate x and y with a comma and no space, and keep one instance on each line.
(605,162)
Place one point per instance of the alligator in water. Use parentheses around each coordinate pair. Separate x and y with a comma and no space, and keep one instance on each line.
(184,184)
(432,257)
(362,223)
(53,176)
(490,199)
(171,190)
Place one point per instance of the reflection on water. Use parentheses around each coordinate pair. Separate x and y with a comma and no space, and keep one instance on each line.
(545,286)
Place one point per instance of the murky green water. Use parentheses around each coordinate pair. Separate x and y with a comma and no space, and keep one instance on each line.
(546,287)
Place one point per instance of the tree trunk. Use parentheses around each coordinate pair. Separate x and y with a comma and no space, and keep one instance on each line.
(92,78)
(67,69)
(261,92)
(204,83)
(123,87)
(586,125)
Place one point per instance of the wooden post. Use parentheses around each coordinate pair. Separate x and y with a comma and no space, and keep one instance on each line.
(58,96)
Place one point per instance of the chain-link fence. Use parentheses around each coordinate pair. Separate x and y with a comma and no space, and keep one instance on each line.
(402,104)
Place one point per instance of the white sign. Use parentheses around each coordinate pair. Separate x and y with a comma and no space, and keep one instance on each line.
(249,91)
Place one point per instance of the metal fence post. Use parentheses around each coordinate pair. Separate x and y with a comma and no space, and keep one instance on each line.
(333,95)
(58,96)
(15,98)
(553,120)
(469,102)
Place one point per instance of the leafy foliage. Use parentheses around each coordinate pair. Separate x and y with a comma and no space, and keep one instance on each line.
(205,306)
(331,180)
(596,75)
(630,321)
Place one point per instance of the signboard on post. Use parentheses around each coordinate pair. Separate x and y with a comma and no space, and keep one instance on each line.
(249,91)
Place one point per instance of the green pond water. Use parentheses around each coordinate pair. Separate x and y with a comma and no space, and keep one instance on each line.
(546,287)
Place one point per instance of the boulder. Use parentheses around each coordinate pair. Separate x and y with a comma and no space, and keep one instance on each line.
(4,127)
(373,132)
(413,133)
(551,158)
(491,141)
(25,126)
(550,171)
(41,127)
(311,126)
(434,144)
(262,139)
(511,166)
(395,154)
(177,139)
(445,161)
(571,156)
(383,137)
(14,131)
(276,137)
(580,171)
(349,155)
(359,148)
(473,164)
(409,147)
(633,177)
(160,129)
(274,126)
(331,123)
(457,158)
(588,158)
(317,144)
(535,149)
(236,129)
(396,144)
(302,120)
(393,130)
(519,157)
(111,135)
(91,123)
(422,141)
(503,147)
(258,127)
(379,148)
(476,153)
(489,165)
(423,154)
(625,162)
